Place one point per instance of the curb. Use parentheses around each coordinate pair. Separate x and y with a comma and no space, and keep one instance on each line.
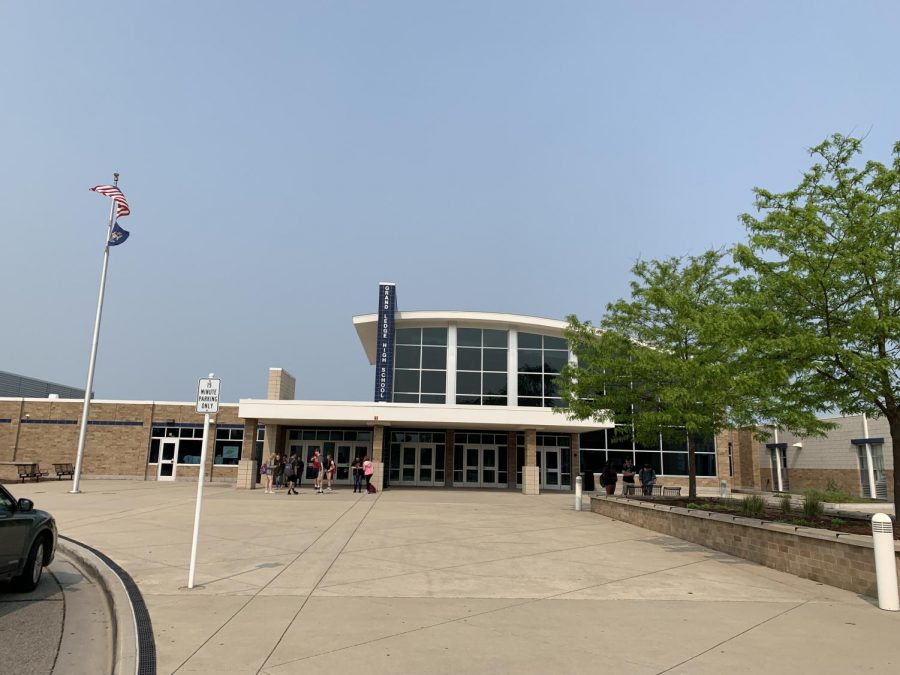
(134,648)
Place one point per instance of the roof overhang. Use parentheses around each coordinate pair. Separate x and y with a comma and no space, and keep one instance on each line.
(436,416)
(365,324)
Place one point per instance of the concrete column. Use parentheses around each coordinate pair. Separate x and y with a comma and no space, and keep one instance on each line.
(448,458)
(511,453)
(531,479)
(378,457)
(246,474)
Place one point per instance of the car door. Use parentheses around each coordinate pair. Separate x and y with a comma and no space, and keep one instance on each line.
(14,528)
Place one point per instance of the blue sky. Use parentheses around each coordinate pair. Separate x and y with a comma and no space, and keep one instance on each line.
(282,158)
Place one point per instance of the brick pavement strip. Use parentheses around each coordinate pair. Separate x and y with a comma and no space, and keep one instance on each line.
(449,581)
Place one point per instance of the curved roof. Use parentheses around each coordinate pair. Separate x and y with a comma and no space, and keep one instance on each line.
(365,324)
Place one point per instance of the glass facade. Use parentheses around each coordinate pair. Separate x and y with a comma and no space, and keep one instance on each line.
(227,451)
(481,358)
(420,365)
(667,457)
(540,360)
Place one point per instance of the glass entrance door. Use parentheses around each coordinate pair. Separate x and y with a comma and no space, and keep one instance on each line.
(167,454)
(548,460)
(416,465)
(479,466)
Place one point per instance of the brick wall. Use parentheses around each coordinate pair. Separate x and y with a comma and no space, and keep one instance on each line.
(846,561)
(46,431)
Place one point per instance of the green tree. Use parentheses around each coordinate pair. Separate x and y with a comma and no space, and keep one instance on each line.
(663,361)
(826,283)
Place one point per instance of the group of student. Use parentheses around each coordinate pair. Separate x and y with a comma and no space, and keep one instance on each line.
(609,477)
(282,471)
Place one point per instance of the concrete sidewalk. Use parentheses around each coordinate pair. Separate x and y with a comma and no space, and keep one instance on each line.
(450,581)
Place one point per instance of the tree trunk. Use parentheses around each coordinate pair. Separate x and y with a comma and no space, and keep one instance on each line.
(692,468)
(893,418)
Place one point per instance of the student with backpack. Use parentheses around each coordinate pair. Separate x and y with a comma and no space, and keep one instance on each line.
(368,470)
(266,472)
(329,471)
(290,474)
(356,472)
(316,463)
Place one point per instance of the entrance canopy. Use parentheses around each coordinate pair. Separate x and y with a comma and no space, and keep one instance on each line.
(353,413)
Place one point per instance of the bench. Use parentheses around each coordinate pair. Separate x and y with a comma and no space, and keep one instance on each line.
(31,471)
(656,491)
(63,470)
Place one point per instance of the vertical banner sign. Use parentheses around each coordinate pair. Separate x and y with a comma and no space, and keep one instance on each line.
(384,344)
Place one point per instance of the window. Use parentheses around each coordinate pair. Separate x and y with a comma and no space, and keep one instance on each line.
(481,366)
(540,359)
(420,365)
(229,443)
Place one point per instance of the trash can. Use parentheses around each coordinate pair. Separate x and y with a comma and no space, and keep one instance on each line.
(588,481)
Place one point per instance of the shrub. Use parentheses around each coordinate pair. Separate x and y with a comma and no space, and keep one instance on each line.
(812,504)
(785,502)
(692,505)
(837,522)
(753,506)
(832,486)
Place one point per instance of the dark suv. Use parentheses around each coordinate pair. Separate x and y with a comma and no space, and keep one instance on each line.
(27,541)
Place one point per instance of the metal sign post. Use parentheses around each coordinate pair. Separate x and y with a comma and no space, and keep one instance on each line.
(208,404)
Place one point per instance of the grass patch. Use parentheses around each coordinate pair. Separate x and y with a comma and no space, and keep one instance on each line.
(785,503)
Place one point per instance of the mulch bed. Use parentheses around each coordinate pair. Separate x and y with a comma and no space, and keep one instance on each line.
(774,514)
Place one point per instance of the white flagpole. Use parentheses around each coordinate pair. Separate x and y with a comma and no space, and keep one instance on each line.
(85,411)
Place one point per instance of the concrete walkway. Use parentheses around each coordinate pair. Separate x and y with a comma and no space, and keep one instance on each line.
(450,581)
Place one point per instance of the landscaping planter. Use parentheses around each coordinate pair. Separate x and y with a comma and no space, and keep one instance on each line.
(837,559)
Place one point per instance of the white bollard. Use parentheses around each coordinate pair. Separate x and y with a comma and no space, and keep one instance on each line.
(885,562)
(578,482)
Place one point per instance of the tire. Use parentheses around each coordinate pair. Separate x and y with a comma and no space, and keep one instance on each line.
(34,567)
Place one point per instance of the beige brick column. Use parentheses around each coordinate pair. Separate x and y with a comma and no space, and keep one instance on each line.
(246,473)
(210,450)
(448,458)
(512,451)
(531,479)
(282,386)
(274,440)
(378,456)
(576,460)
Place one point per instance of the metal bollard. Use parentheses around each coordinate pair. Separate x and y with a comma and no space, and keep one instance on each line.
(885,562)
(578,482)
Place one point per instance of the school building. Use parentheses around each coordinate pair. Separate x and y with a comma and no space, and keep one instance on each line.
(461,400)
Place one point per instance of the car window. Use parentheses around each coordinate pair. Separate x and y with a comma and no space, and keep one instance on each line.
(6,504)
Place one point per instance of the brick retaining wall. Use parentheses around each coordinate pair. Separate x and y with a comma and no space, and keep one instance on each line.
(843,560)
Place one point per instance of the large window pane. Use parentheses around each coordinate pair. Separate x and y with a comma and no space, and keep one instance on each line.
(407,357)
(494,383)
(434,381)
(494,400)
(651,458)
(408,336)
(468,337)
(530,361)
(619,438)
(531,385)
(468,358)
(531,402)
(434,358)
(495,359)
(554,343)
(530,341)
(468,383)
(706,464)
(551,386)
(434,336)
(594,439)
(495,338)
(434,398)
(674,439)
(406,380)
(675,463)
(406,398)
(554,361)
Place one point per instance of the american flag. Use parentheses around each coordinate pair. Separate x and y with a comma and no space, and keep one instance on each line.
(117,196)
